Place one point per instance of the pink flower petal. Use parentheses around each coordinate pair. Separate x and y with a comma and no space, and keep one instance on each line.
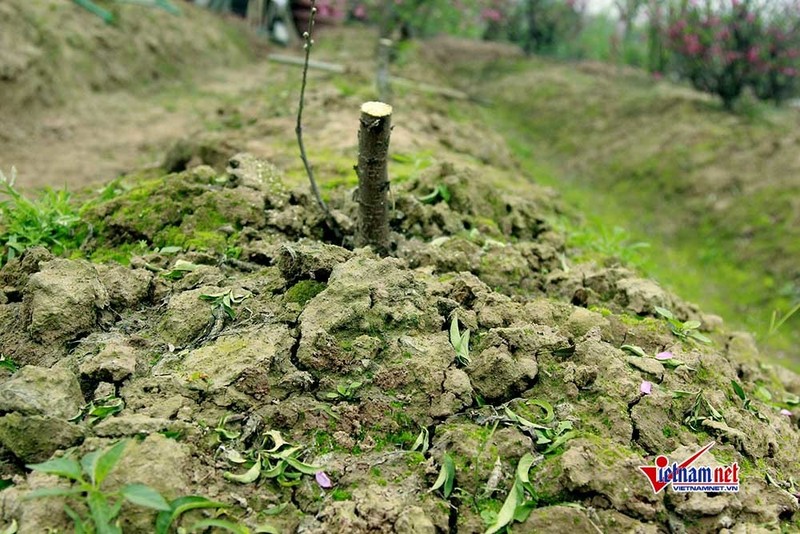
(323,480)
(646,387)
(664,356)
(786,412)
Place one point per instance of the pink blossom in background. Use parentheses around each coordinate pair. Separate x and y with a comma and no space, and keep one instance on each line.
(732,56)
(678,27)
(331,10)
(492,15)
(786,412)
(693,46)
(360,12)
(735,44)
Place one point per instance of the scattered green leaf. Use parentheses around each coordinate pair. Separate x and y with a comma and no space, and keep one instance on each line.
(249,476)
(447,476)
(635,350)
(422,442)
(345,392)
(180,269)
(460,342)
(180,506)
(226,301)
(441,192)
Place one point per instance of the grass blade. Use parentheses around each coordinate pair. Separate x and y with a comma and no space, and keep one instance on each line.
(737,388)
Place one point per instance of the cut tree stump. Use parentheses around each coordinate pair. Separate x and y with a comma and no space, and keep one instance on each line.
(373,176)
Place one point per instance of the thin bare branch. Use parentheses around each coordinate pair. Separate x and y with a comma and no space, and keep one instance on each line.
(308,42)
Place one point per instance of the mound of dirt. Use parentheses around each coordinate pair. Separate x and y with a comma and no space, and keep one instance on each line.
(52,50)
(348,357)
(308,386)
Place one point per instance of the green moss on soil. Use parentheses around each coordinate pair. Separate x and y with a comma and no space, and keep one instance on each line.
(339,494)
(304,290)
(190,210)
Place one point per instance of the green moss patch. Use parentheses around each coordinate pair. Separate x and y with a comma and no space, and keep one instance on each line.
(304,290)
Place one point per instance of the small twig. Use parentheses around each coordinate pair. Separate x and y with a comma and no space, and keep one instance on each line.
(596,528)
(308,42)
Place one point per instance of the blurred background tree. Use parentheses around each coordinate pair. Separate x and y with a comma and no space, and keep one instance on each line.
(724,47)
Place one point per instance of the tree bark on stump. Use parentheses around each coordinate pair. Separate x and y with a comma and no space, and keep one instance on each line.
(373,176)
